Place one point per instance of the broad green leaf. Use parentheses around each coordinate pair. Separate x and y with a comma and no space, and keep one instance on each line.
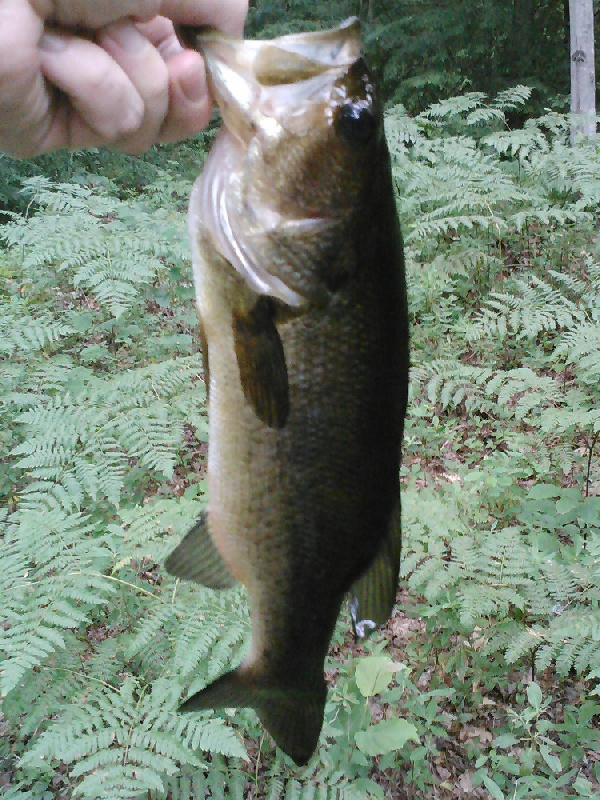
(534,695)
(361,789)
(505,740)
(386,736)
(195,490)
(589,512)
(374,674)
(543,491)
(584,787)
(564,505)
(550,759)
(492,787)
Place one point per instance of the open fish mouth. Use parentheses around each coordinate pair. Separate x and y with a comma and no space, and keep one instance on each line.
(287,59)
(303,67)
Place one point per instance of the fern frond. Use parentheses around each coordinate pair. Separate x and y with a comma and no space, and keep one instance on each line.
(455,106)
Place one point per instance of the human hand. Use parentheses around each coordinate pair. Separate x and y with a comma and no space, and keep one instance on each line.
(88,73)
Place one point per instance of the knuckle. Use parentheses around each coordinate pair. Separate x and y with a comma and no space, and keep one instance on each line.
(156,91)
(126,109)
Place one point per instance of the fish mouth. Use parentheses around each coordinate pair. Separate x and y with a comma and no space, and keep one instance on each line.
(255,81)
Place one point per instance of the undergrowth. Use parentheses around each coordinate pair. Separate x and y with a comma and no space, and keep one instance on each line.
(485,682)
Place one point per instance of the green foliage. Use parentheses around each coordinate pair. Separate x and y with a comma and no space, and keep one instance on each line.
(495,655)
(423,51)
(101,393)
(501,547)
(128,175)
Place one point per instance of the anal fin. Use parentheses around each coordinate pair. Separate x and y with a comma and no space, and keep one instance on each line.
(261,362)
(196,558)
(373,595)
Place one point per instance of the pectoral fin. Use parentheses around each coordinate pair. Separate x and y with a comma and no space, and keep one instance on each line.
(197,559)
(261,362)
(373,595)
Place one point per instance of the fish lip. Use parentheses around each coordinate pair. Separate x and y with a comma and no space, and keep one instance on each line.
(333,48)
(250,80)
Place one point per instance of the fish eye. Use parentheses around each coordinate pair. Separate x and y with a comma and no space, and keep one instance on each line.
(356,122)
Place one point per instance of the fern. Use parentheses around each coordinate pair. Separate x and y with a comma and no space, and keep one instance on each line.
(91,239)
(103,436)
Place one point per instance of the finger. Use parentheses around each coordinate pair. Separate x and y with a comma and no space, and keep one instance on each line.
(190,107)
(68,130)
(147,71)
(95,15)
(227,15)
(24,99)
(98,89)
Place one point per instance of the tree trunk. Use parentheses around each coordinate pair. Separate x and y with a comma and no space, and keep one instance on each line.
(583,79)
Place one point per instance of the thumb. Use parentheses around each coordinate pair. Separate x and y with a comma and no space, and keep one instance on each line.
(25,102)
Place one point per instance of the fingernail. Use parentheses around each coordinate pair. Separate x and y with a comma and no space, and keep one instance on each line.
(53,43)
(128,38)
(193,85)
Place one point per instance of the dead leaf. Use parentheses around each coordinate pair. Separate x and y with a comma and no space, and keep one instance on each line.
(466,783)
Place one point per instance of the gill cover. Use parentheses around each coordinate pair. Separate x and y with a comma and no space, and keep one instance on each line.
(267,92)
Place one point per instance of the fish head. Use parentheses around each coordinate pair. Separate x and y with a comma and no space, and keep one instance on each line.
(302,119)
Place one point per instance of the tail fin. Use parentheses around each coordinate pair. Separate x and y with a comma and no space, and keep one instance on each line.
(293,717)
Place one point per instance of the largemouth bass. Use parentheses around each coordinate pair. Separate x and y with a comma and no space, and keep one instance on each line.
(299,276)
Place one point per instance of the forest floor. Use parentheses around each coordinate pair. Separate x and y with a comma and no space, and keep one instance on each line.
(453,764)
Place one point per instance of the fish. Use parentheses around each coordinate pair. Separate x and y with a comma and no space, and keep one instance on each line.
(300,290)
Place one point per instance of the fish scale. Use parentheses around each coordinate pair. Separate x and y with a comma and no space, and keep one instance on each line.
(300,288)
